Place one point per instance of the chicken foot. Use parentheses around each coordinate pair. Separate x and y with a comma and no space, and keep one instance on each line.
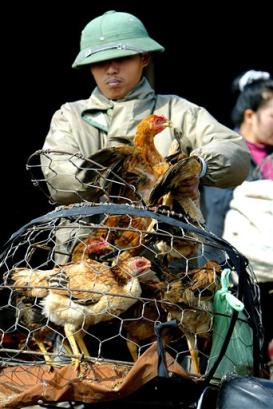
(77,345)
(194,353)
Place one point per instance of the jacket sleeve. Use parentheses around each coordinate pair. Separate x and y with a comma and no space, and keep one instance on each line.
(225,152)
(61,166)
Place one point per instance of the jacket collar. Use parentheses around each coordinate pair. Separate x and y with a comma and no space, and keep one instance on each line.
(135,106)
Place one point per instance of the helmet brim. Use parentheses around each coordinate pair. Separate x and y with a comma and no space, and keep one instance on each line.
(119,49)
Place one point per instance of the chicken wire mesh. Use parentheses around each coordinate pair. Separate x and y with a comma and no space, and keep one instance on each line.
(114,293)
(111,301)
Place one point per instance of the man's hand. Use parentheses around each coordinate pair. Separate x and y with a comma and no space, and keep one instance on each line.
(182,179)
(189,188)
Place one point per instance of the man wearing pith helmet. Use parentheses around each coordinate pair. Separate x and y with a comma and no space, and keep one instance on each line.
(117,47)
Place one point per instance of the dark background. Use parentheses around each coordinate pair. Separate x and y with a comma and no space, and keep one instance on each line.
(206,47)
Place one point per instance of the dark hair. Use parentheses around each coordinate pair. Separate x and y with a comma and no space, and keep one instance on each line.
(254,91)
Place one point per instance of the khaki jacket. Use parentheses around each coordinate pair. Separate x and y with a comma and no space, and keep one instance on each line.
(86,126)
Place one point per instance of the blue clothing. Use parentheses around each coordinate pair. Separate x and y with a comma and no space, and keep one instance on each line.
(216,203)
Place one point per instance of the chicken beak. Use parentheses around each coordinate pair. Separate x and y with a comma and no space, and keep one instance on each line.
(168,124)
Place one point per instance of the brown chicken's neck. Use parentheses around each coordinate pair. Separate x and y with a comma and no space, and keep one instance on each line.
(144,140)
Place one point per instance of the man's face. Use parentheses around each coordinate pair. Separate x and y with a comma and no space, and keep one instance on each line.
(116,78)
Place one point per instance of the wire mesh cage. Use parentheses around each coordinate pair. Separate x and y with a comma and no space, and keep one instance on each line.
(114,294)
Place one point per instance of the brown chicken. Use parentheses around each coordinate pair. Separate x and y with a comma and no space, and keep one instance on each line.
(139,165)
(118,233)
(84,294)
(189,301)
(140,327)
(173,242)
(139,320)
(204,281)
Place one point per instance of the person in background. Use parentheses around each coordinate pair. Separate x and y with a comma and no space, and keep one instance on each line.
(252,117)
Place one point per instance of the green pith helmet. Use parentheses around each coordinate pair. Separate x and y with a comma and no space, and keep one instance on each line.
(114,35)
